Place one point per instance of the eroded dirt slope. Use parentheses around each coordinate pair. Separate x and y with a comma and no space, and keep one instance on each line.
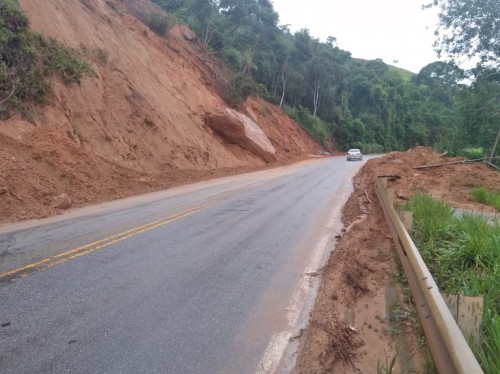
(137,127)
(350,329)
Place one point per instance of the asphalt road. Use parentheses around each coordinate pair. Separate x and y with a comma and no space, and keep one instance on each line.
(196,279)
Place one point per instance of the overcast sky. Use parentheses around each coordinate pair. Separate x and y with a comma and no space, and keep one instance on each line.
(387,29)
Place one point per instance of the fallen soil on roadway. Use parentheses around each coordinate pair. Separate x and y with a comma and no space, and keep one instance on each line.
(350,329)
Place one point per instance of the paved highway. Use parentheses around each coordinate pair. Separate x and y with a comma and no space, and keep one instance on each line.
(215,277)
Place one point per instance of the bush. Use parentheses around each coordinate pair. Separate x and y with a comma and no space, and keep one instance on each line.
(150,15)
(27,58)
(158,23)
(472,153)
(314,126)
(12,20)
(232,57)
(66,61)
(239,88)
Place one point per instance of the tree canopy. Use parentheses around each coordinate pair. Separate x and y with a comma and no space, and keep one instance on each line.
(471,29)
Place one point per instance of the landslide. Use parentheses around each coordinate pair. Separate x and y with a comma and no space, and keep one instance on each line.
(354,326)
(136,127)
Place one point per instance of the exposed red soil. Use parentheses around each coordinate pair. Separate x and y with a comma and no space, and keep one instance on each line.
(349,329)
(137,127)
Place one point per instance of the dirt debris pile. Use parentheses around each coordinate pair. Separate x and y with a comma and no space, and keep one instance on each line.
(451,183)
(357,282)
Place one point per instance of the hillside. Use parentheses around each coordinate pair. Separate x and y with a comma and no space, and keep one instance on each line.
(403,73)
(138,126)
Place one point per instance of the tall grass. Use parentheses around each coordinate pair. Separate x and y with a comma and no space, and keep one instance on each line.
(484,196)
(463,254)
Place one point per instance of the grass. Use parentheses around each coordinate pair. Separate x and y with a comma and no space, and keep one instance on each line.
(472,153)
(484,196)
(388,366)
(463,254)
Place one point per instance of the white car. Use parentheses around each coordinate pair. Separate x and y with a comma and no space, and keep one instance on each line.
(354,154)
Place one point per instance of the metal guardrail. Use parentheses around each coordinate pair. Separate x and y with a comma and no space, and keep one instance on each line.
(448,347)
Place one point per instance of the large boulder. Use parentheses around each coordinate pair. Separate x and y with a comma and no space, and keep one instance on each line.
(237,128)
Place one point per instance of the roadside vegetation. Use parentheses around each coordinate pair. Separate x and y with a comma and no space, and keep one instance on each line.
(27,60)
(472,153)
(463,254)
(314,126)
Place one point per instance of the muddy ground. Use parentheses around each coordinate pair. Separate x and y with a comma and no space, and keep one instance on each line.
(359,323)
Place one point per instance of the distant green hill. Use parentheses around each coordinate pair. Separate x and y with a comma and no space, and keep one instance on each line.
(405,74)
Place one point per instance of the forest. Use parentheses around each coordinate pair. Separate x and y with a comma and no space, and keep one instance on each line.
(347,102)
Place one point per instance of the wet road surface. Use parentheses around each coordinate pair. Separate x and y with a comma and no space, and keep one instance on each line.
(195,279)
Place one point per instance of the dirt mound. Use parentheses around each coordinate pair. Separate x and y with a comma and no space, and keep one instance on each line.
(37,169)
(139,126)
(357,289)
(452,182)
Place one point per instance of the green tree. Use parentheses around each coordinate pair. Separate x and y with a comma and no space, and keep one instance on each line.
(469,28)
(447,73)
(480,112)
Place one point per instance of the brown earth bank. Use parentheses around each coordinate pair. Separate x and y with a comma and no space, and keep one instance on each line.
(138,126)
(352,327)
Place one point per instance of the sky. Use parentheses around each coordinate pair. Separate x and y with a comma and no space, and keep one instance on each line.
(369,29)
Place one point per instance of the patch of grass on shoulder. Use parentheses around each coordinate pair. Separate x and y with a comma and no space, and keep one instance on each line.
(463,255)
(483,196)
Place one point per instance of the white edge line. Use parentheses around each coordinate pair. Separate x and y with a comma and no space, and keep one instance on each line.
(279,342)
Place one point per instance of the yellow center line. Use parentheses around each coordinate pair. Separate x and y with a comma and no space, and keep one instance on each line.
(91,247)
